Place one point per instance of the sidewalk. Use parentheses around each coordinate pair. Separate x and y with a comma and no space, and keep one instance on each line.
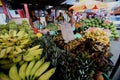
(115,49)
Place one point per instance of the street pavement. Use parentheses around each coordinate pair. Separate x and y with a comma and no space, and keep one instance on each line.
(115,49)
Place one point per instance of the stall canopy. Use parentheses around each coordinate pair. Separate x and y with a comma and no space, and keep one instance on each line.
(33,4)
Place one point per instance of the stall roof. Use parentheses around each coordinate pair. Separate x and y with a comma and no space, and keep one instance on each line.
(33,4)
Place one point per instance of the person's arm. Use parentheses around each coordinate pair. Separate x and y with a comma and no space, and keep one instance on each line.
(31,23)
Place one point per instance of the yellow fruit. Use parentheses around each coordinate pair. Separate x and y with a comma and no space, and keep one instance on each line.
(42,69)
(47,74)
(13,73)
(39,35)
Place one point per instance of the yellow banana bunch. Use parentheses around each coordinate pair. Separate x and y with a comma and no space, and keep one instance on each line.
(28,57)
(17,58)
(98,35)
(35,52)
(32,54)
(34,48)
(2,53)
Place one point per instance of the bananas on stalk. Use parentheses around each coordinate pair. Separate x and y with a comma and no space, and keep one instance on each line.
(15,47)
(3,76)
(33,70)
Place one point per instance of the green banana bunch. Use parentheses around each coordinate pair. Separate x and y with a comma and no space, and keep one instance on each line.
(3,76)
(42,69)
(28,69)
(22,70)
(47,74)
(13,73)
(36,66)
(33,70)
(4,61)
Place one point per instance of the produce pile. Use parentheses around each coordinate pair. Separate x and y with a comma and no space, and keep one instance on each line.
(17,27)
(97,22)
(52,27)
(23,56)
(90,51)
(19,60)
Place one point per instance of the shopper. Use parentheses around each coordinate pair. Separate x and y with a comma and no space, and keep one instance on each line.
(49,18)
(72,19)
(60,18)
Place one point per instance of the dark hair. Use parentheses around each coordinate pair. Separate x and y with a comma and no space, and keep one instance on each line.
(60,13)
(49,11)
(71,11)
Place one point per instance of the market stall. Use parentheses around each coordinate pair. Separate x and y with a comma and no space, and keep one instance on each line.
(55,51)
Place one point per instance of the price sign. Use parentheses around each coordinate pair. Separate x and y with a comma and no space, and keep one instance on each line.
(67,32)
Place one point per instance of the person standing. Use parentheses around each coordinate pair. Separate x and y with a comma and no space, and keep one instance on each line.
(49,18)
(72,19)
(60,18)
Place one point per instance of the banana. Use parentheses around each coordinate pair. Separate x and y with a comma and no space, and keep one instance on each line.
(47,74)
(11,33)
(18,49)
(13,73)
(2,53)
(28,57)
(37,57)
(7,35)
(35,68)
(20,35)
(3,76)
(9,49)
(28,69)
(22,70)
(6,43)
(4,66)
(35,52)
(17,58)
(26,41)
(34,48)
(21,63)
(14,33)
(13,40)
(41,69)
(4,61)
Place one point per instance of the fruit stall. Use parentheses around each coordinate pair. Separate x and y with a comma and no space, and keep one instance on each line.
(27,54)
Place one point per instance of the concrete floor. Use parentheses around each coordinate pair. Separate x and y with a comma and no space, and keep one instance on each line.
(115,49)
